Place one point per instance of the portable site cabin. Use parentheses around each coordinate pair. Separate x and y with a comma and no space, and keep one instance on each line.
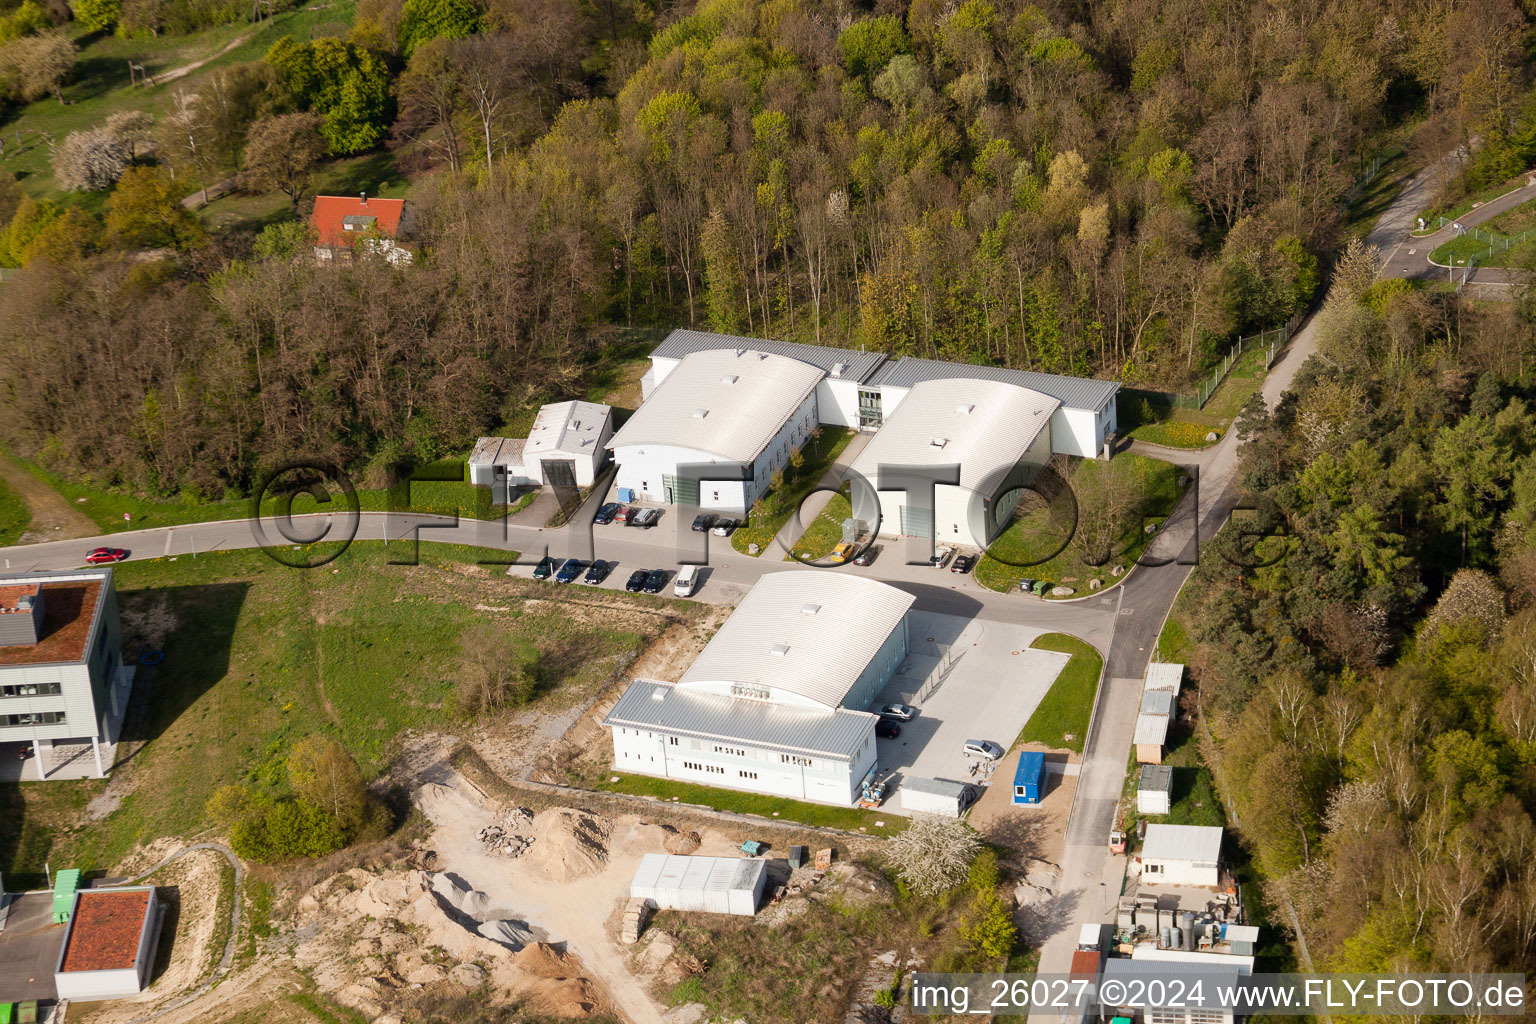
(1154,789)
(1182,855)
(715,885)
(1029,778)
(935,796)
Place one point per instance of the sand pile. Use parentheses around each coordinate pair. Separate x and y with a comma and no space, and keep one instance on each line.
(682,843)
(568,844)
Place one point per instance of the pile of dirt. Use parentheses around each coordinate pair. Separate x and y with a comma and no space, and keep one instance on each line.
(568,844)
(682,842)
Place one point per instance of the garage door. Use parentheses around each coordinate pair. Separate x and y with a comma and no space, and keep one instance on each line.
(916,522)
(681,492)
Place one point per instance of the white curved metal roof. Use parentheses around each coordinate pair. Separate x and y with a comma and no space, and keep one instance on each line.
(984,426)
(728,402)
(806,634)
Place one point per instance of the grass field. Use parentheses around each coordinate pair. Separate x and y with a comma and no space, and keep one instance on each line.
(1187,428)
(1032,545)
(820,453)
(100,85)
(1486,250)
(826,530)
(14,515)
(850,819)
(1061,719)
(258,656)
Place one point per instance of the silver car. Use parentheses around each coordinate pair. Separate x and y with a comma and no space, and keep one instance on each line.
(985,749)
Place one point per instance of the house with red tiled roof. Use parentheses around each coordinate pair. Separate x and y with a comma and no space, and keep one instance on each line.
(344,225)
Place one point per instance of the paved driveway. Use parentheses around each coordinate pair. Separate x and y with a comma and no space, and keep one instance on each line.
(29,948)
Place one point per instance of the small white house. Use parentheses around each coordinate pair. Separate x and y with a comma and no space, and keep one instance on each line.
(935,796)
(988,436)
(1181,855)
(1154,789)
(109,945)
(714,885)
(744,409)
(567,445)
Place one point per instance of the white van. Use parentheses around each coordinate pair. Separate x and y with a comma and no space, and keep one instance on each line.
(687,580)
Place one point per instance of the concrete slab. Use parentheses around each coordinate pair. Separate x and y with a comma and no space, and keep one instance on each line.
(993,685)
(29,948)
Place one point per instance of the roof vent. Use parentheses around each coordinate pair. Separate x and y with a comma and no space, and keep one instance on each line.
(809,609)
(658,695)
(938,442)
(838,369)
(779,650)
(699,414)
(965,410)
(729,378)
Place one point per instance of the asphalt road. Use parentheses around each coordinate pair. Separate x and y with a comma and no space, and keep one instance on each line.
(1406,256)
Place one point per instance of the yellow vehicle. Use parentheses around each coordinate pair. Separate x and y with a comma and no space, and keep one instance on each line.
(843,552)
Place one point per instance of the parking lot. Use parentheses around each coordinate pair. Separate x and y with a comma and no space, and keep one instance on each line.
(29,948)
(993,684)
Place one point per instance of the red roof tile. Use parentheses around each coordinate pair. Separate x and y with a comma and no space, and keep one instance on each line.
(104,933)
(331,211)
(69,611)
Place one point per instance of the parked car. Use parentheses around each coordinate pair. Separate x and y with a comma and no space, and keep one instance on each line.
(843,552)
(984,749)
(606,513)
(867,555)
(655,581)
(703,521)
(963,563)
(572,568)
(598,572)
(102,556)
(636,581)
(900,712)
(687,581)
(886,729)
(645,518)
(725,527)
(546,568)
(624,514)
(940,557)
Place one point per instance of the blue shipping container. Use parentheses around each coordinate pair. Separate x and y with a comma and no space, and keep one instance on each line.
(1029,779)
(626,494)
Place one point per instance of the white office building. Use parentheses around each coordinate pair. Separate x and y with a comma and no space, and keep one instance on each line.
(739,406)
(989,436)
(777,702)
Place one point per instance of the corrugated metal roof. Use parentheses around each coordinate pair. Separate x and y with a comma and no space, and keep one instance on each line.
(1198,843)
(649,704)
(1146,967)
(726,402)
(1152,729)
(1072,392)
(572,428)
(497,451)
(1164,675)
(983,426)
(826,649)
(856,365)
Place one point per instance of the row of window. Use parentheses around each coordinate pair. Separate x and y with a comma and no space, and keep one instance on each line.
(33,718)
(31,689)
(735,751)
(794,759)
(696,766)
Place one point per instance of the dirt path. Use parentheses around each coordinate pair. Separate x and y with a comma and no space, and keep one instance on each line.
(187,69)
(53,517)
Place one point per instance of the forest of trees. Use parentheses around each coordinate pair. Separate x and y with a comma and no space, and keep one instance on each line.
(1111,188)
(1371,696)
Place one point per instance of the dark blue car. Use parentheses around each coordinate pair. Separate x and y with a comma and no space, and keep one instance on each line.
(570,570)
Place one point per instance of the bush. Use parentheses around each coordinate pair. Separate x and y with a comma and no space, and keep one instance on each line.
(330,808)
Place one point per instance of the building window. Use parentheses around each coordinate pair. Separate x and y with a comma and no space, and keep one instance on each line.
(33,718)
(730,750)
(717,496)
(803,762)
(747,775)
(31,689)
(672,740)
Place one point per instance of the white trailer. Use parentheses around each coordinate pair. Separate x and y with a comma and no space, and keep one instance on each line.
(935,796)
(714,885)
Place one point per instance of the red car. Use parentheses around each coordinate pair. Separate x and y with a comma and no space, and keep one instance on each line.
(624,515)
(102,556)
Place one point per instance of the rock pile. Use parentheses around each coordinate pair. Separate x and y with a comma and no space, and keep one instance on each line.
(505,837)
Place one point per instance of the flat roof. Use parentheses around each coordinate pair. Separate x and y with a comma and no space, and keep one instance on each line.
(726,402)
(573,428)
(1198,843)
(809,633)
(1156,778)
(855,364)
(1157,702)
(1189,964)
(1073,392)
(1031,768)
(651,704)
(934,787)
(1085,961)
(104,930)
(982,426)
(697,874)
(72,603)
(1164,675)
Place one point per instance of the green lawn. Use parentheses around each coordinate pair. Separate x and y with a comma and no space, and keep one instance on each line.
(14,515)
(850,819)
(1187,428)
(100,86)
(1032,545)
(820,452)
(1061,719)
(826,530)
(258,655)
(1467,204)
(1459,250)
(1173,642)
(373,173)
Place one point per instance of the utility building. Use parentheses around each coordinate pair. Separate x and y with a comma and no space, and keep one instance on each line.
(567,446)
(1181,855)
(776,703)
(63,686)
(733,405)
(109,947)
